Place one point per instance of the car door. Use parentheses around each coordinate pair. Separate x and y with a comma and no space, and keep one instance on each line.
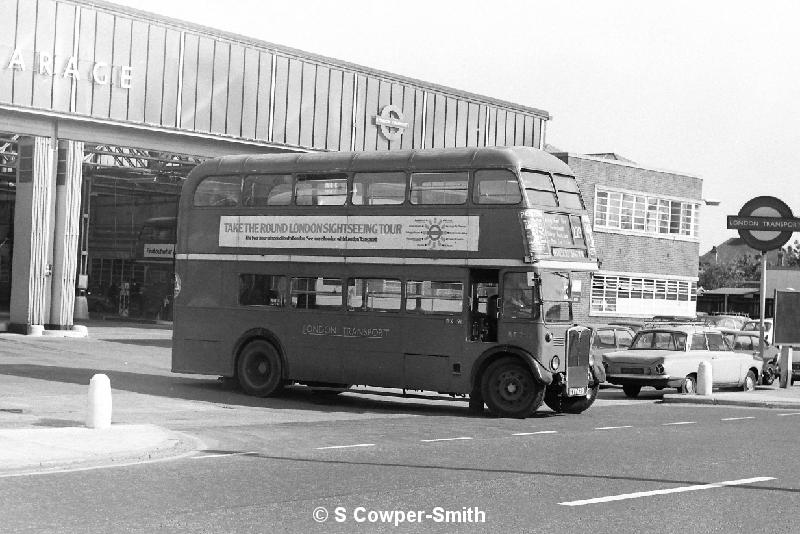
(725,363)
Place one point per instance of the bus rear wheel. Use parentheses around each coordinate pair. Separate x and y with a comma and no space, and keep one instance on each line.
(509,389)
(259,369)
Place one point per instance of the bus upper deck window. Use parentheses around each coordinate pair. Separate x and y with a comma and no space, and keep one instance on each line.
(569,196)
(267,190)
(538,188)
(219,191)
(321,189)
(379,188)
(439,187)
(496,186)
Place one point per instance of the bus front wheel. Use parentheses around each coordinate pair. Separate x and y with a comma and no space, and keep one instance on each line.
(509,389)
(259,369)
(562,404)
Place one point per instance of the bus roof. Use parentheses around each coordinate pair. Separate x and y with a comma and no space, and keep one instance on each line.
(431,159)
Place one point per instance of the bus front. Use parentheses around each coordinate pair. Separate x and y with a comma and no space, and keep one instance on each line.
(544,303)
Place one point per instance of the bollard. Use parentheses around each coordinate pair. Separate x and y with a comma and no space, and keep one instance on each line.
(99,412)
(785,363)
(704,379)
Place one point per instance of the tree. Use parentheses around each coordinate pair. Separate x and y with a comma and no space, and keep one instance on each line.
(730,274)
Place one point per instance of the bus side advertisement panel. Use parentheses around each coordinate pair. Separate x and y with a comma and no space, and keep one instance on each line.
(421,232)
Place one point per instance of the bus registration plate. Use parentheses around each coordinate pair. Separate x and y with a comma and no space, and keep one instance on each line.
(573,392)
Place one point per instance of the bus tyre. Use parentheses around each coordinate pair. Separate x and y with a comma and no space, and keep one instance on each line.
(259,369)
(509,389)
(561,404)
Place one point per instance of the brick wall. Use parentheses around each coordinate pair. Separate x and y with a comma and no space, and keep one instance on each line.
(634,253)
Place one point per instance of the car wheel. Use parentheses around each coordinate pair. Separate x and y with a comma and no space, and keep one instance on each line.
(260,369)
(631,391)
(749,382)
(689,385)
(509,389)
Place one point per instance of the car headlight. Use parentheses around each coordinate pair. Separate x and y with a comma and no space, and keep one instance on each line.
(555,363)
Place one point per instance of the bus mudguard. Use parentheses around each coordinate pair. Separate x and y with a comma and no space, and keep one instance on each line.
(540,373)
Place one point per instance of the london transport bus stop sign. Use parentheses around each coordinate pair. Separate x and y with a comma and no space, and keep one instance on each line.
(766,223)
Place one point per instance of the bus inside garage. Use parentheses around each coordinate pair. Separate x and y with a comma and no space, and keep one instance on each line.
(129,202)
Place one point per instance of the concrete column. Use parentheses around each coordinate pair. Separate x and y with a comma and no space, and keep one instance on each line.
(33,211)
(69,174)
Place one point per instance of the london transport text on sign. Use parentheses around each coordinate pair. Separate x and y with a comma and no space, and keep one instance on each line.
(763,223)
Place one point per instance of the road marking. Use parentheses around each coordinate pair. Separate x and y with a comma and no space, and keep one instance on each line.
(222,454)
(346,446)
(680,423)
(737,418)
(612,427)
(681,489)
(443,439)
(785,414)
(534,433)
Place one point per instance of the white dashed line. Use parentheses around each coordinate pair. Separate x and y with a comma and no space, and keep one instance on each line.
(666,491)
(612,427)
(443,439)
(785,414)
(737,418)
(346,446)
(534,433)
(680,423)
(223,454)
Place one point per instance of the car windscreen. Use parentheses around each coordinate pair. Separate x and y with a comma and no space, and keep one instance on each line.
(659,341)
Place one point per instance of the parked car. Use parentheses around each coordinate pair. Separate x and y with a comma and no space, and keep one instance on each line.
(747,341)
(669,356)
(755,326)
(736,322)
(633,325)
(609,338)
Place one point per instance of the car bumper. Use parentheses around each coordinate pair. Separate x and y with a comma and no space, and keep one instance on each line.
(655,381)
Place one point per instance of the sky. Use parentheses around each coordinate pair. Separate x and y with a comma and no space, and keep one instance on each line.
(705,88)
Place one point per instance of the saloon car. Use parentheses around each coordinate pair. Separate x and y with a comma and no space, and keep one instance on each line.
(747,342)
(669,356)
(609,338)
(755,326)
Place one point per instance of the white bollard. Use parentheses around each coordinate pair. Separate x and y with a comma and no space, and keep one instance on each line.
(704,379)
(99,412)
(785,363)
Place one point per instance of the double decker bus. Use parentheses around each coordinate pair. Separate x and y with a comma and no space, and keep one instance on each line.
(457,271)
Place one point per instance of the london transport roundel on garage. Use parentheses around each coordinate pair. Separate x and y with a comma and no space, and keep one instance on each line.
(765,223)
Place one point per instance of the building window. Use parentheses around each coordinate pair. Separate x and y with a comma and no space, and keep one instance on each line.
(628,211)
(627,295)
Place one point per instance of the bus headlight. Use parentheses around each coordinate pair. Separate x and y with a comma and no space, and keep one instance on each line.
(555,363)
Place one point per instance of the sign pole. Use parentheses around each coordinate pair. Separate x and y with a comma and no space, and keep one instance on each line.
(763,304)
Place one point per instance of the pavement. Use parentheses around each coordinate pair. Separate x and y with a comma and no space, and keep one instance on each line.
(44,396)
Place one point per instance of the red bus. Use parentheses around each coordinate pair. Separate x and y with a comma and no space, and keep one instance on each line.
(460,271)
